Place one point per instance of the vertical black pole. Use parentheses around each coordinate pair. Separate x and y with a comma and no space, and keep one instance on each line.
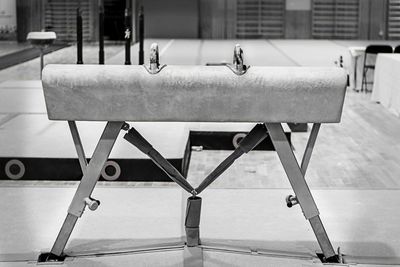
(41,61)
(141,36)
(128,32)
(79,35)
(101,32)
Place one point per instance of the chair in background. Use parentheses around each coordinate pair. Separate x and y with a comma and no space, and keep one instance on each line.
(372,50)
(397,49)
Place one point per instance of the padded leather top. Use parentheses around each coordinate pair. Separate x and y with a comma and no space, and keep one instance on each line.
(194,93)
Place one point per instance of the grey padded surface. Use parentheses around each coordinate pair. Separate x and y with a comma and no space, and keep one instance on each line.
(194,93)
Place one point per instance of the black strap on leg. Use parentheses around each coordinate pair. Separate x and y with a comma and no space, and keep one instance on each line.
(136,139)
(252,139)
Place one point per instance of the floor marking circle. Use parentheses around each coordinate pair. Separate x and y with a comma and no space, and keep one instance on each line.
(115,176)
(10,164)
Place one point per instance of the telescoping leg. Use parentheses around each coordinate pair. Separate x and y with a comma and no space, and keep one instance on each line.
(193,254)
(91,174)
(295,175)
(192,221)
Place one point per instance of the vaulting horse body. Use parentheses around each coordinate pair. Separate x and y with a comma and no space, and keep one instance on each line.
(267,96)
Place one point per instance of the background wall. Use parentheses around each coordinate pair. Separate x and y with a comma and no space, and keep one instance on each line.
(221,19)
(217,19)
(8,19)
(171,19)
(298,19)
(30,17)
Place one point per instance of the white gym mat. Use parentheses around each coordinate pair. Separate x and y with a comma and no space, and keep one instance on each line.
(33,135)
(363,223)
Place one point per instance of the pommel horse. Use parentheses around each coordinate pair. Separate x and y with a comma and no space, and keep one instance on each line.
(266,96)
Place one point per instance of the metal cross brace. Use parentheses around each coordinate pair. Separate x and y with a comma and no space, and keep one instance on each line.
(192,220)
(294,172)
(251,140)
(91,173)
(136,139)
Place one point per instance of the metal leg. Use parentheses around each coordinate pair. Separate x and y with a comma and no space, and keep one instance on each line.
(299,185)
(323,239)
(78,145)
(192,221)
(193,254)
(309,147)
(64,234)
(88,182)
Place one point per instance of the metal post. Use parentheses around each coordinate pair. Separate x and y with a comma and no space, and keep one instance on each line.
(193,254)
(41,61)
(141,35)
(128,32)
(192,221)
(101,32)
(79,36)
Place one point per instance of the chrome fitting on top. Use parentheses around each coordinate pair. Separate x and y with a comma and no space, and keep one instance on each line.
(154,66)
(238,66)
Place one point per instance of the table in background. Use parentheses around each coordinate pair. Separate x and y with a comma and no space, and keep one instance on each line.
(386,89)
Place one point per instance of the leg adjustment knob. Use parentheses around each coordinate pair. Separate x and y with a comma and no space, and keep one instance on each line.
(92,203)
(291,201)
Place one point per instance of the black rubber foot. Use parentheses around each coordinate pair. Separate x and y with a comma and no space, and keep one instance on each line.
(49,257)
(333,259)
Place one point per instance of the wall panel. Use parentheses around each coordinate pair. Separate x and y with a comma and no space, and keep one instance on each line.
(393,25)
(260,19)
(30,17)
(335,19)
(171,19)
(60,17)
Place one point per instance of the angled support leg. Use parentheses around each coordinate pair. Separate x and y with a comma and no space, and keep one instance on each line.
(78,145)
(91,174)
(295,175)
(309,148)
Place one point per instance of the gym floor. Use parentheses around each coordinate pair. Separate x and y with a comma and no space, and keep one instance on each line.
(353,174)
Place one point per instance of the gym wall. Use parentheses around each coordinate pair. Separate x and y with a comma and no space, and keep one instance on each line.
(219,19)
(171,19)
